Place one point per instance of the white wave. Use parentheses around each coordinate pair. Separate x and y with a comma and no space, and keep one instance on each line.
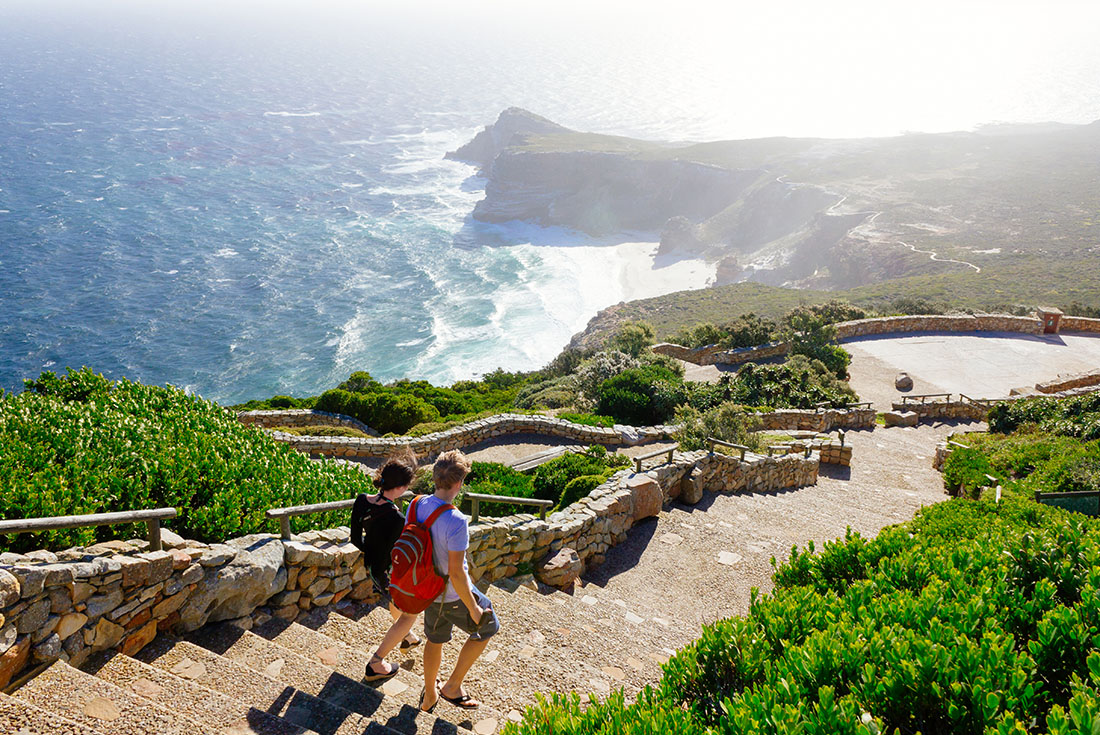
(225,253)
(5,211)
(412,342)
(287,113)
(350,185)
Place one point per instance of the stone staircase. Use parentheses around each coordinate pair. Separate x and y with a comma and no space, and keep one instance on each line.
(305,676)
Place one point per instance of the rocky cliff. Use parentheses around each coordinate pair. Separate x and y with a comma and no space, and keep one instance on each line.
(816,213)
(751,222)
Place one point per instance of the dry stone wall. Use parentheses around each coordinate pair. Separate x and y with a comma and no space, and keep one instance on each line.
(474,433)
(118,595)
(824,420)
(713,355)
(1069,382)
(1079,324)
(301,417)
(505,424)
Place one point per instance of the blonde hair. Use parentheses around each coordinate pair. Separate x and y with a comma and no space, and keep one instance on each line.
(450,469)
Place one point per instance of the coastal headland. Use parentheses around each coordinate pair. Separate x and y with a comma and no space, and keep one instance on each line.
(992,218)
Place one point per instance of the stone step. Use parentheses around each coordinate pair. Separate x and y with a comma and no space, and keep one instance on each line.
(311,676)
(213,710)
(101,705)
(588,645)
(516,666)
(195,663)
(21,718)
(402,692)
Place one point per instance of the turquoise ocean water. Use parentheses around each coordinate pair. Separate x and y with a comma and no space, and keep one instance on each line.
(250,203)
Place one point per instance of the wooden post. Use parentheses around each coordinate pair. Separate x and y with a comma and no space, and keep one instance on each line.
(475,509)
(154,534)
(284,528)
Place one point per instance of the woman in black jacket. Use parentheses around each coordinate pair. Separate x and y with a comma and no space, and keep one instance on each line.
(375,525)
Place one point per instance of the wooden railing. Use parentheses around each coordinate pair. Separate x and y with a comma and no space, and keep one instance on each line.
(657,453)
(826,405)
(923,398)
(983,402)
(719,443)
(477,498)
(285,514)
(151,519)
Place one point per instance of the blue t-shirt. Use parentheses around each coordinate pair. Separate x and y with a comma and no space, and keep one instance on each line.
(450,532)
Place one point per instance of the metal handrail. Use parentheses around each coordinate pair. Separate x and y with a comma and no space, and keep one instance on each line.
(1040,495)
(718,442)
(656,453)
(924,397)
(151,518)
(476,498)
(285,514)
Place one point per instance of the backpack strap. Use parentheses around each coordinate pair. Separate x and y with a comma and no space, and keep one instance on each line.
(435,514)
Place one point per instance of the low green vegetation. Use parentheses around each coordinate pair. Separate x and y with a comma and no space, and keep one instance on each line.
(1078,416)
(624,382)
(728,422)
(79,444)
(1023,462)
(974,618)
(564,480)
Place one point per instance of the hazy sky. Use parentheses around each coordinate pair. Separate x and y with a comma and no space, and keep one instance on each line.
(795,68)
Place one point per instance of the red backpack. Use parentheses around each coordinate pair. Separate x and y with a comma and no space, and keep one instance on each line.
(414,581)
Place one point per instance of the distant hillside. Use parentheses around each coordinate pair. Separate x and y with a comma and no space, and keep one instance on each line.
(1004,202)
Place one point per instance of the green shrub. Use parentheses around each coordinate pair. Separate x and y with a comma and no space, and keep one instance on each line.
(580,487)
(631,338)
(631,396)
(588,419)
(974,618)
(492,478)
(559,392)
(728,422)
(383,412)
(551,478)
(81,444)
(966,468)
(1077,416)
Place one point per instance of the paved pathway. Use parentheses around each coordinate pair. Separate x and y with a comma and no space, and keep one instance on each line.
(981,365)
(693,565)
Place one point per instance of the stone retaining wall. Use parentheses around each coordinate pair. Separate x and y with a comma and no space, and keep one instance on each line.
(826,420)
(829,451)
(1069,382)
(949,409)
(505,424)
(962,410)
(298,417)
(938,323)
(1079,324)
(117,596)
(713,355)
(473,433)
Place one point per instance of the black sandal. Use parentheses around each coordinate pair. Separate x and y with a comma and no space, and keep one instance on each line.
(373,675)
(463,701)
(406,643)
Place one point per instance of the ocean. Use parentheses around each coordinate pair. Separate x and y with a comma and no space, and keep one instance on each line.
(253,200)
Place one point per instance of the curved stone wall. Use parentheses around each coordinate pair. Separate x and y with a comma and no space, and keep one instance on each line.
(474,433)
(300,417)
(117,596)
(504,424)
(713,355)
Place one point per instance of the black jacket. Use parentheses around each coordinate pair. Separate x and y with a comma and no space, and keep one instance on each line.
(374,530)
